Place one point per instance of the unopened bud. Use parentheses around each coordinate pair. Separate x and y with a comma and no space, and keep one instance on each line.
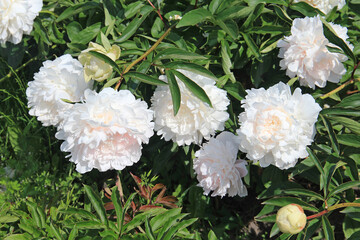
(291,219)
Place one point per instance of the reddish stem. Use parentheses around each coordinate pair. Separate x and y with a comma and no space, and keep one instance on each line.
(158,11)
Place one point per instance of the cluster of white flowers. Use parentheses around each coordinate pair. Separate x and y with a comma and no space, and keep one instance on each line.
(305,53)
(16,18)
(58,80)
(276,125)
(324,5)
(218,169)
(195,120)
(106,130)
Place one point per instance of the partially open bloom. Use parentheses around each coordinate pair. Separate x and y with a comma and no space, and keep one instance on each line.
(324,5)
(218,168)
(95,68)
(16,18)
(291,219)
(276,125)
(106,130)
(60,79)
(195,120)
(305,53)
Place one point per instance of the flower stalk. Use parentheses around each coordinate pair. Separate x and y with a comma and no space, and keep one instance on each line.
(336,206)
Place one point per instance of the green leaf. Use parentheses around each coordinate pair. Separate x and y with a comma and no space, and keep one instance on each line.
(331,173)
(107,60)
(283,201)
(274,230)
(158,221)
(169,224)
(80,212)
(316,161)
(174,90)
(87,225)
(252,46)
(269,218)
(192,67)
(194,88)
(55,232)
(211,235)
(236,90)
(341,111)
(177,53)
(97,204)
(342,188)
(115,198)
(145,78)
(183,224)
(226,61)
(8,219)
(229,26)
(148,230)
(134,25)
(332,136)
(306,9)
(253,16)
(281,13)
(74,233)
(32,207)
(331,35)
(82,36)
(352,125)
(303,192)
(141,218)
(76,9)
(351,140)
(235,12)
(352,101)
(327,229)
(17,237)
(193,17)
(125,208)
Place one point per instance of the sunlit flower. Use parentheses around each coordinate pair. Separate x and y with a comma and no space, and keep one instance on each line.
(16,18)
(218,169)
(58,80)
(276,125)
(195,120)
(106,130)
(305,53)
(291,219)
(324,5)
(95,68)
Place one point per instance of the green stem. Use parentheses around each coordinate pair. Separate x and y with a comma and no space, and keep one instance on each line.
(49,12)
(351,81)
(332,208)
(18,69)
(127,69)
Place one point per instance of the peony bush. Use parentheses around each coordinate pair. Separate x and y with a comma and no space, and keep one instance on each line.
(179,120)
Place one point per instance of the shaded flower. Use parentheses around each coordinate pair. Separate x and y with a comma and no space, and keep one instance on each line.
(95,68)
(305,53)
(59,79)
(16,18)
(195,120)
(291,219)
(276,125)
(218,168)
(106,130)
(324,5)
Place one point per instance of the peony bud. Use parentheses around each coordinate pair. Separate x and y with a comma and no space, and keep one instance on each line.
(95,68)
(291,219)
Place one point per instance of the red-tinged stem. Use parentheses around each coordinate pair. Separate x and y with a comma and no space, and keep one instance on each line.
(158,11)
(336,206)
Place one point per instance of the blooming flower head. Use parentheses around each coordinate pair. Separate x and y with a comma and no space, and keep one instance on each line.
(95,68)
(305,53)
(291,219)
(106,130)
(16,18)
(195,120)
(60,79)
(324,5)
(276,125)
(218,168)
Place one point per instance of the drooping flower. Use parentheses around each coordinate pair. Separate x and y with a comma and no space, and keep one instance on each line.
(106,130)
(276,125)
(305,53)
(95,68)
(195,120)
(324,5)
(218,169)
(59,79)
(16,18)
(291,219)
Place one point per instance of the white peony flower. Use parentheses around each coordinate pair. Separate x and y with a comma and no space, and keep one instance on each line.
(276,125)
(218,169)
(324,5)
(60,79)
(17,17)
(195,119)
(95,68)
(305,53)
(106,131)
